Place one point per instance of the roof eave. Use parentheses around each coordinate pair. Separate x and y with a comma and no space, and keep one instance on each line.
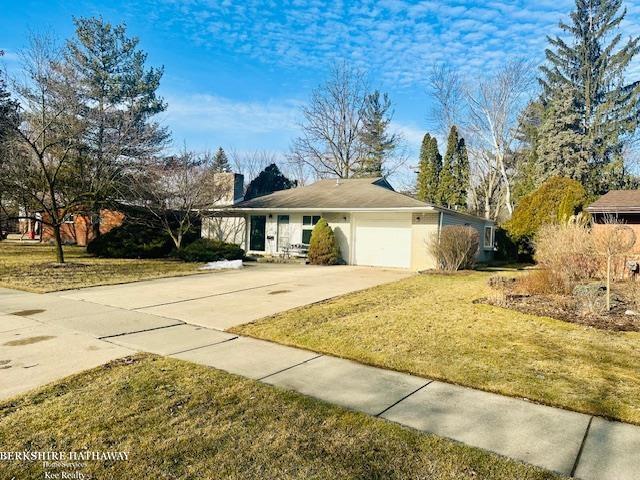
(592,209)
(324,209)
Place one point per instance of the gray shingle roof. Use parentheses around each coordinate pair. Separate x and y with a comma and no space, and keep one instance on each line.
(332,193)
(620,201)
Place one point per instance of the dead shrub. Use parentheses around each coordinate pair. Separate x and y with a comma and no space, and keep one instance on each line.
(540,282)
(566,252)
(612,240)
(455,248)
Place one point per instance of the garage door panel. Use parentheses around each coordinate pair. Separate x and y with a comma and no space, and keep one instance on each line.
(383,241)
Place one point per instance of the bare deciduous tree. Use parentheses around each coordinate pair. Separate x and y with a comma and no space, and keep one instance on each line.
(331,143)
(494,106)
(446,88)
(612,239)
(172,190)
(42,172)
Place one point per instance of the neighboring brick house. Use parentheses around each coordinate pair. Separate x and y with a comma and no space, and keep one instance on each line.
(621,205)
(78,228)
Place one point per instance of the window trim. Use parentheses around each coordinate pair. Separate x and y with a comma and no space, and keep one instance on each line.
(309,226)
(490,245)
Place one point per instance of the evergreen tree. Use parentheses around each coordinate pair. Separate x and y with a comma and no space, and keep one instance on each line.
(429,168)
(8,110)
(562,149)
(584,82)
(268,181)
(454,176)
(221,162)
(323,247)
(377,141)
(447,183)
(462,174)
(118,102)
(527,171)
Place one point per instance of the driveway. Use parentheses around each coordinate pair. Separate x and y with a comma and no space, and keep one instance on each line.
(47,337)
(224,299)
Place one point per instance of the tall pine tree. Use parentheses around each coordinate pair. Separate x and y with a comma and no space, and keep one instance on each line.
(118,95)
(447,187)
(376,139)
(584,81)
(462,174)
(429,168)
(221,162)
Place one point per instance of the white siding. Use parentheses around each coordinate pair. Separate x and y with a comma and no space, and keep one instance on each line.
(225,229)
(341,226)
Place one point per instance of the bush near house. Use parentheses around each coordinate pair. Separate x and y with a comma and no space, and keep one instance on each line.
(207,250)
(555,201)
(455,248)
(131,240)
(323,247)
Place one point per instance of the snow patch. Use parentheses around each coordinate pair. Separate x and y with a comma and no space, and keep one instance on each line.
(222,265)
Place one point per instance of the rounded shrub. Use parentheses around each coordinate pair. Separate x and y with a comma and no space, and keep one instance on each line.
(131,240)
(207,250)
(323,247)
(555,201)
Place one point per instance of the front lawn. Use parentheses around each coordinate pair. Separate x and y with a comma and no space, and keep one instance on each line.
(179,420)
(428,325)
(32,267)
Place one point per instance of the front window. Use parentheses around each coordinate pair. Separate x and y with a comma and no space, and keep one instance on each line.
(488,237)
(308,222)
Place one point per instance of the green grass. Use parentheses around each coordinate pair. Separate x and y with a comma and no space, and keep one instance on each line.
(178,420)
(428,325)
(32,267)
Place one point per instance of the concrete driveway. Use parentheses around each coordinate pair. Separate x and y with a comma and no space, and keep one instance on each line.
(225,299)
(47,337)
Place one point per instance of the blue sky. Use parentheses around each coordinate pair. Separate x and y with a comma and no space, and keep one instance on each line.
(236,72)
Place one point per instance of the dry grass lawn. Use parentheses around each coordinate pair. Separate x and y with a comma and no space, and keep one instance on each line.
(32,267)
(428,325)
(178,420)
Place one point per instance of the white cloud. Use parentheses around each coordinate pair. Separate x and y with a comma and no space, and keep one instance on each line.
(204,112)
(398,40)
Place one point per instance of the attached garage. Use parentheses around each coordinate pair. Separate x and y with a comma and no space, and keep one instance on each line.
(383,240)
(373,224)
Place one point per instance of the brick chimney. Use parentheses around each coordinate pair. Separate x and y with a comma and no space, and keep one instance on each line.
(230,187)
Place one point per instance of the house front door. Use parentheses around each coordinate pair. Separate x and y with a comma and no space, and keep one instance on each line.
(283,233)
(257,232)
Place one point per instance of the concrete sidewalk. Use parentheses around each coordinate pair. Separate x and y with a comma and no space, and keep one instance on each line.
(567,442)
(51,337)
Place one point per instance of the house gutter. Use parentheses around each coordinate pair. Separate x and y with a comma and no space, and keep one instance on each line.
(321,209)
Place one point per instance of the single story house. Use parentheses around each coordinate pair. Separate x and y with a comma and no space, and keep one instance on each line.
(620,205)
(374,224)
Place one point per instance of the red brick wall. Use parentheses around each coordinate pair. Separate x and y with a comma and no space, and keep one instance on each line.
(80,232)
(636,228)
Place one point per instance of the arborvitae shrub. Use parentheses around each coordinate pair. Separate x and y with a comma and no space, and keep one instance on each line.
(323,247)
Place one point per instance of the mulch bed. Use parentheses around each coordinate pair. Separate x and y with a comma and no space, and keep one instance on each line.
(564,308)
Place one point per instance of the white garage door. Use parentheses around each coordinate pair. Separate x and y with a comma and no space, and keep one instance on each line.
(383,240)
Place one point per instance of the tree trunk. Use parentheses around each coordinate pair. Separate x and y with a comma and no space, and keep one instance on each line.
(95,225)
(58,239)
(608,283)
